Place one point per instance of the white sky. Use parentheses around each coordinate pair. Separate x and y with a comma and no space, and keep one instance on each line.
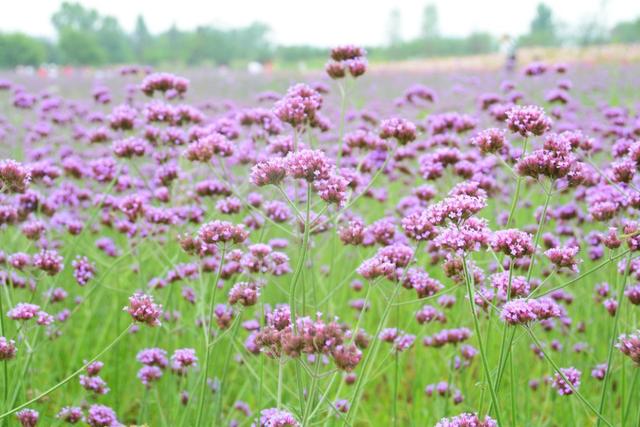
(323,22)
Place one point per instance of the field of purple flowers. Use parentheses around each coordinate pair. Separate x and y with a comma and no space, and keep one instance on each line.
(348,247)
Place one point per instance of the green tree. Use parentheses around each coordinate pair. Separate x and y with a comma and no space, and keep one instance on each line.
(75,17)
(430,27)
(114,41)
(142,39)
(542,31)
(80,48)
(20,49)
(394,27)
(626,32)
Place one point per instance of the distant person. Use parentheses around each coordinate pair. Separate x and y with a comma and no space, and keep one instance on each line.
(508,49)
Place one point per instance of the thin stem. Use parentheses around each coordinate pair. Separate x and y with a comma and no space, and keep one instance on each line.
(506,352)
(564,378)
(396,379)
(355,400)
(280,365)
(312,391)
(343,105)
(487,373)
(583,275)
(614,329)
(69,378)
(631,393)
(207,328)
(226,366)
(4,362)
(301,260)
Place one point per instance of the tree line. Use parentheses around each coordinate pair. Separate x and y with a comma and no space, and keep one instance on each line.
(84,37)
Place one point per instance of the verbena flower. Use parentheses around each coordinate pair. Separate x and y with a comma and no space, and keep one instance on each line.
(143,309)
(572,375)
(527,120)
(467,420)
(629,345)
(274,417)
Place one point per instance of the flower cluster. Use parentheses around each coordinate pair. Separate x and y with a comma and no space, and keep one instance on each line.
(346,58)
(523,311)
(142,309)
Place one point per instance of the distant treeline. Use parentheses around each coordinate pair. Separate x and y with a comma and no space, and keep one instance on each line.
(86,38)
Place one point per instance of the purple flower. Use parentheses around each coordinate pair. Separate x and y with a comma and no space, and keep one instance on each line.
(153,357)
(629,345)
(182,359)
(346,52)
(489,140)
(221,232)
(417,226)
(400,129)
(102,416)
(274,417)
(7,349)
(268,172)
(94,384)
(522,311)
(512,242)
(23,311)
(148,374)
(28,417)
(70,414)
(310,165)
(572,375)
(332,189)
(467,420)
(48,261)
(527,120)
(299,106)
(83,270)
(245,293)
(142,309)
(165,83)
(14,177)
(403,342)
(455,209)
(599,371)
(564,257)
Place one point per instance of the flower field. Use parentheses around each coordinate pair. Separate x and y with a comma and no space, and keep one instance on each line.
(348,246)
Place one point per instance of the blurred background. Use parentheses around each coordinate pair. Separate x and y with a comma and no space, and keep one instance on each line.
(50,36)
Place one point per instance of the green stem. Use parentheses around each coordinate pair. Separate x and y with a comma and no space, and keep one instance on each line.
(506,352)
(564,378)
(280,365)
(396,379)
(226,366)
(583,275)
(67,379)
(343,105)
(487,373)
(614,329)
(355,400)
(207,328)
(4,362)
(631,393)
(301,260)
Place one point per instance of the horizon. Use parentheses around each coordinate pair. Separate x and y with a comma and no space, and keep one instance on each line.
(289,25)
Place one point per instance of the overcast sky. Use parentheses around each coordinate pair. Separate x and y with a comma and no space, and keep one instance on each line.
(324,22)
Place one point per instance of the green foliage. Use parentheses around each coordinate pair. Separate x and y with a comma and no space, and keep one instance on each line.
(430,27)
(543,29)
(85,37)
(626,32)
(80,48)
(475,43)
(21,49)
